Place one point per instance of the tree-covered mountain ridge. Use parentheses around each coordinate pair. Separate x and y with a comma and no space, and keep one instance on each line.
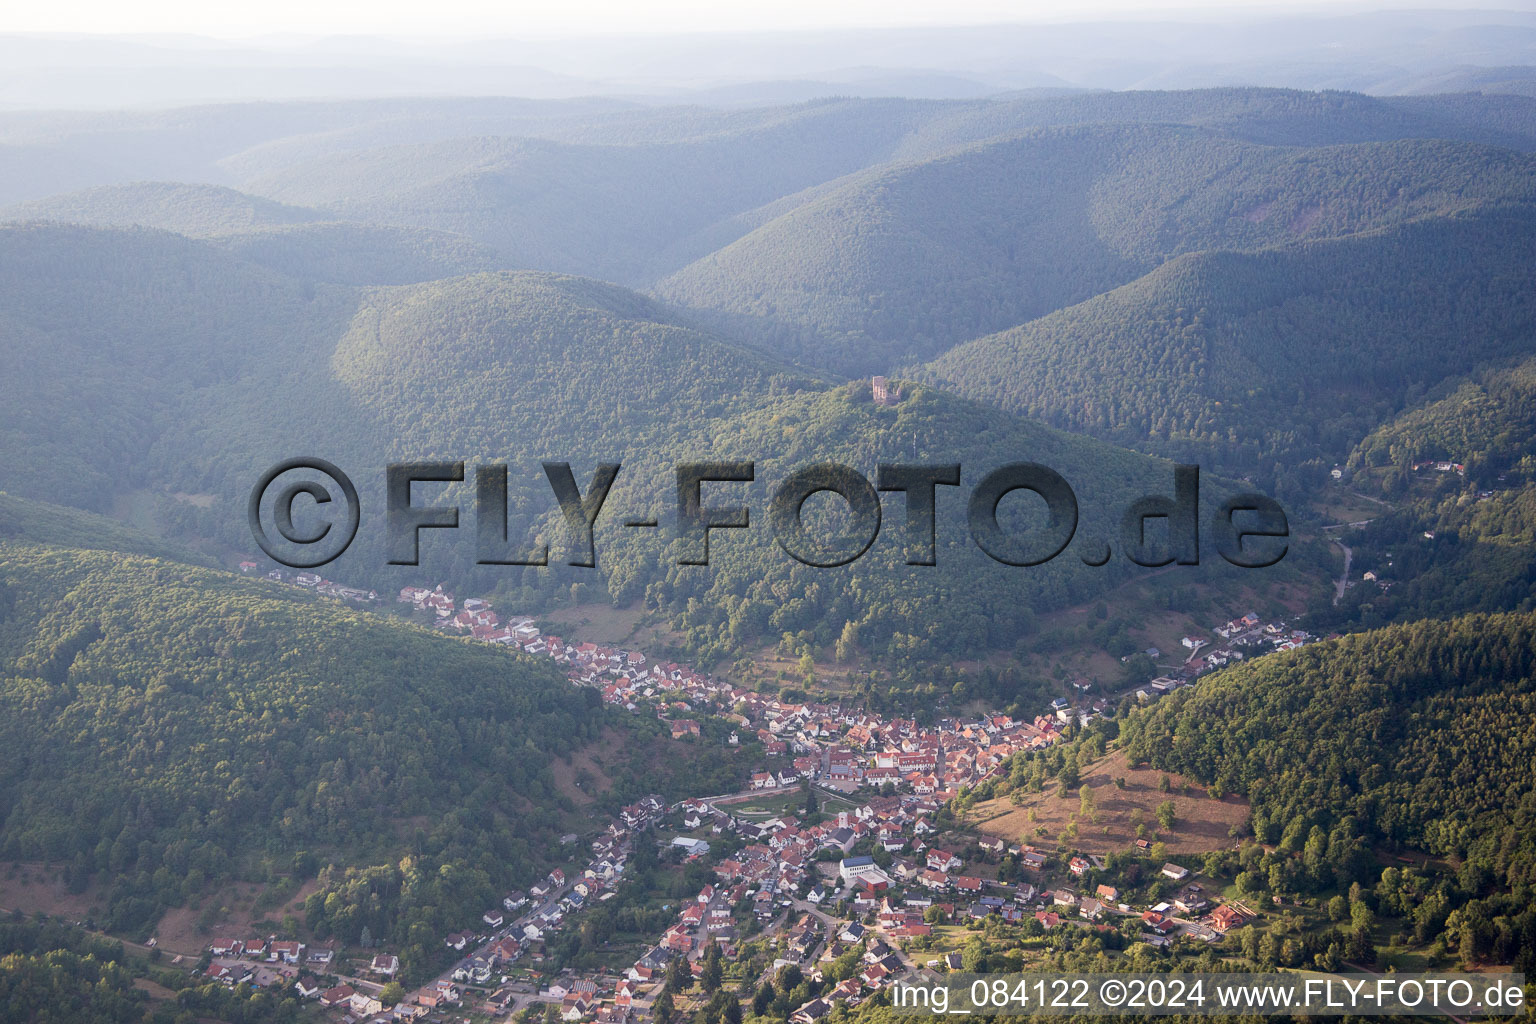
(1271,364)
(633,387)
(906,261)
(1485,424)
(1420,733)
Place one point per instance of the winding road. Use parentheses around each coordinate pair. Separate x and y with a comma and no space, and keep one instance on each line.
(1343,580)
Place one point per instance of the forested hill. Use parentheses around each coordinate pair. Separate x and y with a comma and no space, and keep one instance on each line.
(604,188)
(291,240)
(904,262)
(1271,364)
(174,728)
(235,144)
(1279,117)
(520,365)
(197,211)
(612,211)
(1486,423)
(545,360)
(363,254)
(38,522)
(1337,259)
(153,333)
(1421,733)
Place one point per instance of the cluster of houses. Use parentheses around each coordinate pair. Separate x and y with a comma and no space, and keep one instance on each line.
(838,747)
(708,917)
(544,908)
(1239,638)
(860,748)
(1248,636)
(777,864)
(272,950)
(312,581)
(237,962)
(897,918)
(264,963)
(923,880)
(475,617)
(525,920)
(362,1005)
(879,967)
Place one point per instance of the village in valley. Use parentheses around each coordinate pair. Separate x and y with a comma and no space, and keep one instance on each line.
(840,857)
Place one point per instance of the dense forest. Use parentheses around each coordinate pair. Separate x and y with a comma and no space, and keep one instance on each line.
(151,332)
(903,263)
(38,522)
(538,363)
(363,254)
(173,728)
(1486,424)
(1415,736)
(55,974)
(604,188)
(575,207)
(276,737)
(1405,715)
(1439,556)
(1339,260)
(1271,365)
(197,211)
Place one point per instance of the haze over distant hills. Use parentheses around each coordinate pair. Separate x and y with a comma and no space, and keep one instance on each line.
(1401,51)
(905,262)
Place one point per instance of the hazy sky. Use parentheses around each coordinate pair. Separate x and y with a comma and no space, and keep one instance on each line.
(511,17)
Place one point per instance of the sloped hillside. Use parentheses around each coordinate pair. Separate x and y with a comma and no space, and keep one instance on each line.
(1263,362)
(198,211)
(175,725)
(904,263)
(1393,728)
